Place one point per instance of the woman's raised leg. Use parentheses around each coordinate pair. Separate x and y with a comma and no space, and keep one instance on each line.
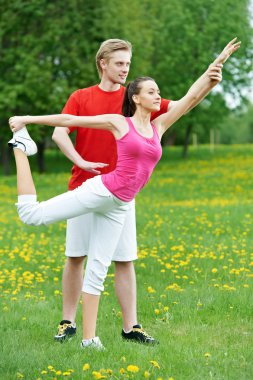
(25,184)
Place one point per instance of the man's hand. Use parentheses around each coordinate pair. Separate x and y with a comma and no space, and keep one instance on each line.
(16,123)
(231,47)
(91,167)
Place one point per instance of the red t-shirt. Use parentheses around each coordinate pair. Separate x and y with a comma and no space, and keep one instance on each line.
(94,144)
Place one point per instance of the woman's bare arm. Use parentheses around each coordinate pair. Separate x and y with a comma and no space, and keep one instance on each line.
(198,90)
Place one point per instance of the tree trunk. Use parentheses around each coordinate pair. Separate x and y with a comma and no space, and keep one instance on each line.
(5,157)
(187,140)
(41,156)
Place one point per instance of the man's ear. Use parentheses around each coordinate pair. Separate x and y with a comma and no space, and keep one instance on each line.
(102,63)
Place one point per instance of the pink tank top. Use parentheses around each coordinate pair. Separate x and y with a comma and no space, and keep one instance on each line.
(137,157)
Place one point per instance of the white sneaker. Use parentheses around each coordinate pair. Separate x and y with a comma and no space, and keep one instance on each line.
(23,141)
(92,343)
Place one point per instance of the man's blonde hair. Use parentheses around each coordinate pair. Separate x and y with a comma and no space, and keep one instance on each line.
(109,46)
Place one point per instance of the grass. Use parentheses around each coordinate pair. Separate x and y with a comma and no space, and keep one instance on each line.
(194,276)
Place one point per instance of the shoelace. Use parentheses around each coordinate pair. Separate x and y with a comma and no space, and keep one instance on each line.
(143,332)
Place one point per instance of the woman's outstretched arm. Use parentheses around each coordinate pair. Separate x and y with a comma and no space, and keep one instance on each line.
(198,90)
(110,122)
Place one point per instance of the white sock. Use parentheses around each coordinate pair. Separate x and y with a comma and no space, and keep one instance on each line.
(27,198)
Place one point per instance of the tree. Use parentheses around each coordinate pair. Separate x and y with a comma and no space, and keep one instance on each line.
(188,36)
(45,55)
(48,48)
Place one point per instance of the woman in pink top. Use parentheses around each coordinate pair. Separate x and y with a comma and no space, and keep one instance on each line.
(106,196)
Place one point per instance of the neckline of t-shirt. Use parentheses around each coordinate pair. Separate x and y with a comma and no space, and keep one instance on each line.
(138,133)
(108,92)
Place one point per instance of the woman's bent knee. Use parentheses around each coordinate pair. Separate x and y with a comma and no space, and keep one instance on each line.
(30,213)
(94,278)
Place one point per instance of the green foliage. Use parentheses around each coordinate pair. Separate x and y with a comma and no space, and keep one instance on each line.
(48,50)
(238,127)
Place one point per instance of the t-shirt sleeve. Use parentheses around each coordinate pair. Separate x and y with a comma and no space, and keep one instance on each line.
(72,107)
(163,109)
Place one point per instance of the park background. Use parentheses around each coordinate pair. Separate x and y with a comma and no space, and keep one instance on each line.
(194,219)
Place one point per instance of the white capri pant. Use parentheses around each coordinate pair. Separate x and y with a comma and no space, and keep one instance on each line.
(109,214)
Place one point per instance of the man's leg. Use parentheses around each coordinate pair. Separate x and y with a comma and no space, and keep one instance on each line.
(72,281)
(125,281)
(77,242)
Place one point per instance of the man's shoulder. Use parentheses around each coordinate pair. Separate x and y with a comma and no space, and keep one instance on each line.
(84,91)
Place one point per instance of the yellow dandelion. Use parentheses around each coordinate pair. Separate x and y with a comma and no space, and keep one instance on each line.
(214,270)
(155,364)
(150,289)
(146,374)
(157,311)
(98,375)
(207,355)
(132,368)
(122,371)
(86,366)
(43,372)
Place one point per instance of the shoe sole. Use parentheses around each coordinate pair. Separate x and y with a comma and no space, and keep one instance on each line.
(64,338)
(140,342)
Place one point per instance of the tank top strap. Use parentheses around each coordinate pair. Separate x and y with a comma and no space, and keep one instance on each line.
(155,131)
(129,122)
(131,126)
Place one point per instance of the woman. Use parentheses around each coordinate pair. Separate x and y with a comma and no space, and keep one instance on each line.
(106,196)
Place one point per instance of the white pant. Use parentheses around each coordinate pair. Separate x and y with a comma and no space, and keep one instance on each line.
(79,232)
(109,214)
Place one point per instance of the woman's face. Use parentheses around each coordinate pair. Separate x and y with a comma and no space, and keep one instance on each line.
(149,96)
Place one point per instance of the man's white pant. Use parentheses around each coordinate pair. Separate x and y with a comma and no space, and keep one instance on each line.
(109,215)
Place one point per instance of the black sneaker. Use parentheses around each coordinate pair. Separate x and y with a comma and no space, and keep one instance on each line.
(66,331)
(137,334)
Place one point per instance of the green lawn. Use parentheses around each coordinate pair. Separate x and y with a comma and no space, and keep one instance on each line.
(194,274)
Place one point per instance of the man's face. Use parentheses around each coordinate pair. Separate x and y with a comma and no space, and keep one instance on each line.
(116,68)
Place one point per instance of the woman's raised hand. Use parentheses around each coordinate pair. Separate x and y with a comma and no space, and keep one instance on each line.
(16,123)
(229,49)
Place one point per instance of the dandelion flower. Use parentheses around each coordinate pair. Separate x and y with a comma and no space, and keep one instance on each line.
(86,366)
(132,368)
(154,364)
(150,289)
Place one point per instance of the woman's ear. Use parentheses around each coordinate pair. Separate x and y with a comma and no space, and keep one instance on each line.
(135,99)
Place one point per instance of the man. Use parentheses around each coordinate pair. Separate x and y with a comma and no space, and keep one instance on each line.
(95,153)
